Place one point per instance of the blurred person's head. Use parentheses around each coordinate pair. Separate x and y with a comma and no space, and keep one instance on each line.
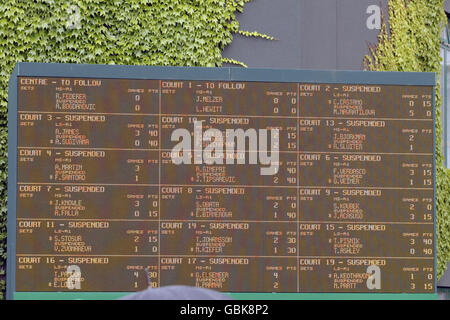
(177,293)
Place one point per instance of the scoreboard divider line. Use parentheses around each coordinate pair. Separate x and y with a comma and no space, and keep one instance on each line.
(226,116)
(214,256)
(246,221)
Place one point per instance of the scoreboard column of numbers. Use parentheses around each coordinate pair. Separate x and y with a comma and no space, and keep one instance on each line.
(97,188)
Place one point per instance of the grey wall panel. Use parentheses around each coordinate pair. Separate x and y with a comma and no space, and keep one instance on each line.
(278,18)
(354,32)
(447,6)
(318,34)
(313,34)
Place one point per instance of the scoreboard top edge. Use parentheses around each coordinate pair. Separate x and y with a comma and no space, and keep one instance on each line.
(222,74)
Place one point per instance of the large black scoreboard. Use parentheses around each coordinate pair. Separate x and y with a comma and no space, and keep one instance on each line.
(98,204)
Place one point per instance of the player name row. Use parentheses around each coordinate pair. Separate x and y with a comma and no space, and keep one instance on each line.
(225,273)
(150,132)
(224,238)
(224,203)
(243,98)
(284,169)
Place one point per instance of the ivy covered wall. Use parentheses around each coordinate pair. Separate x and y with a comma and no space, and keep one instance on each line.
(186,33)
(131,32)
(413,44)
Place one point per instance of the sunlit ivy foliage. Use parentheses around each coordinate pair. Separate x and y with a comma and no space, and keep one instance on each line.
(130,32)
(412,44)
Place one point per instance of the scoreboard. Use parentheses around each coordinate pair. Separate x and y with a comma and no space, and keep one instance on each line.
(97,201)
